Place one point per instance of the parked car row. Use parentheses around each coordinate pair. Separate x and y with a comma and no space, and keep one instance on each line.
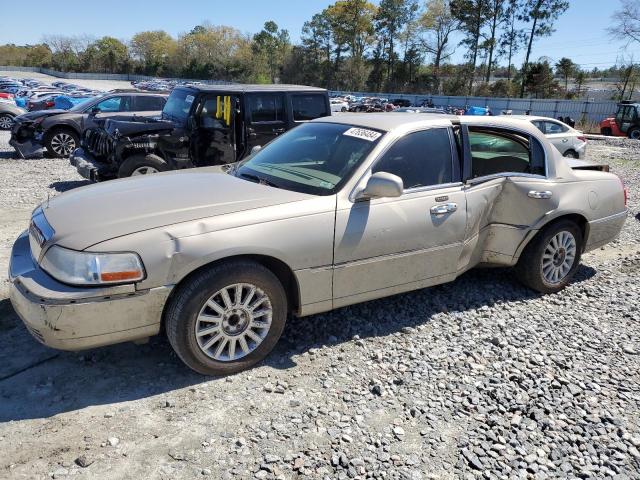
(59,130)
(33,95)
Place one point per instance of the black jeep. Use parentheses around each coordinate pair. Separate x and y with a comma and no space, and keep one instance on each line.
(199,126)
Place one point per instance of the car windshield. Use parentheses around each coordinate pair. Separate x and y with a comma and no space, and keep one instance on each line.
(178,106)
(315,158)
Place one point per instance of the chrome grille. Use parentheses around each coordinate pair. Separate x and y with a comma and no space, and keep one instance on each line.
(40,232)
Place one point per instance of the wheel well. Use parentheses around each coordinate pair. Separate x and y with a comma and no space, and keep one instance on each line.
(276,266)
(132,152)
(575,218)
(61,128)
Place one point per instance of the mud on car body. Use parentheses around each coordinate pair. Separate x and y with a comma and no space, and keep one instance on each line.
(199,126)
(59,131)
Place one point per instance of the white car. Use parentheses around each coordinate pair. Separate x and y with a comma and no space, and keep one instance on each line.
(339,105)
(571,142)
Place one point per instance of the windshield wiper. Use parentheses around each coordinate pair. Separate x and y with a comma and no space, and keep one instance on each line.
(257,179)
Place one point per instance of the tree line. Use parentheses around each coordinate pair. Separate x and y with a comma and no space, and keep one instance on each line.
(354,45)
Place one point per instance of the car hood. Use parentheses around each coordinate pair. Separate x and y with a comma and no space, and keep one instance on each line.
(95,213)
(31,116)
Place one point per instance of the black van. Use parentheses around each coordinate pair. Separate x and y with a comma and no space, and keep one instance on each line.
(199,126)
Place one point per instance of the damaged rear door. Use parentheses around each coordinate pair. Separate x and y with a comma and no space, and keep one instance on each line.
(507,191)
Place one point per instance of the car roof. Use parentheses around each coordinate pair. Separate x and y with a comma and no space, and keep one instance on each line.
(402,120)
(386,121)
(532,117)
(241,88)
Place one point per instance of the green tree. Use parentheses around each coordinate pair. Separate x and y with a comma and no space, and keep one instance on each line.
(38,55)
(153,49)
(539,81)
(110,54)
(389,21)
(272,45)
(541,14)
(566,68)
(472,16)
(352,25)
(438,25)
(581,78)
(512,36)
(496,13)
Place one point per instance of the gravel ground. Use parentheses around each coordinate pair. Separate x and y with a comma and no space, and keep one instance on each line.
(480,378)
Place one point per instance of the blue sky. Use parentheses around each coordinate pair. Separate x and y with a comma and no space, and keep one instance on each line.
(580,33)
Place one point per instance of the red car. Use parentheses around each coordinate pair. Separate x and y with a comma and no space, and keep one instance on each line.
(5,95)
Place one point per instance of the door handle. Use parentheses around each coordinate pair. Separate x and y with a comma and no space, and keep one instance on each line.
(278,130)
(565,140)
(444,208)
(540,194)
(251,132)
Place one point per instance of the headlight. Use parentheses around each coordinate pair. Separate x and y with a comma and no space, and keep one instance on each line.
(85,268)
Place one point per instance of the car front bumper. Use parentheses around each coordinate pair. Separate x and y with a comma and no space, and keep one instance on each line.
(29,146)
(73,318)
(88,167)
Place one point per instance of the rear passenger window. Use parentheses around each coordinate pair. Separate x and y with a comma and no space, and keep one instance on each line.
(420,159)
(495,152)
(308,107)
(552,127)
(149,104)
(267,107)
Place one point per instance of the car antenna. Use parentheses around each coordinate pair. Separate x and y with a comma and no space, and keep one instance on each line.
(48,198)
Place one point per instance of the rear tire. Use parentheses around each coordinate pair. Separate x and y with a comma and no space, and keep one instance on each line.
(606,131)
(61,142)
(252,319)
(634,133)
(142,165)
(571,154)
(542,258)
(6,121)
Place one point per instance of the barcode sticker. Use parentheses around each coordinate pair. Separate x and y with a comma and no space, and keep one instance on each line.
(363,133)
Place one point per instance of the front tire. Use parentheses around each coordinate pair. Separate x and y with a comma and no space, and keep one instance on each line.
(6,121)
(571,154)
(634,133)
(226,318)
(142,165)
(551,259)
(606,131)
(61,143)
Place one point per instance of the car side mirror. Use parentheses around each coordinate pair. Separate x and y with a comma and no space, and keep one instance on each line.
(94,111)
(256,149)
(382,185)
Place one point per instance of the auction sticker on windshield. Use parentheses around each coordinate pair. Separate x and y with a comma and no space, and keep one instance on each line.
(189,99)
(363,133)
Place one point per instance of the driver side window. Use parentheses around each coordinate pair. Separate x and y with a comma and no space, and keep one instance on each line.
(420,159)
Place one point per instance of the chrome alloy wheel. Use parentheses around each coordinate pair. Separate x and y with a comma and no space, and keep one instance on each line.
(233,322)
(558,257)
(63,144)
(144,171)
(6,122)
